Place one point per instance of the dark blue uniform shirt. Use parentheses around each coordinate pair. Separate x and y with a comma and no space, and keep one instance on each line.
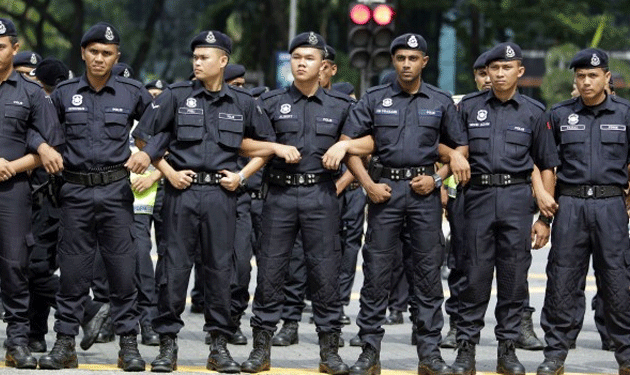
(506,137)
(97,124)
(202,130)
(592,141)
(406,128)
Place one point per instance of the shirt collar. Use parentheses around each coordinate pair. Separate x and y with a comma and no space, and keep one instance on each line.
(397,90)
(517,98)
(199,88)
(296,94)
(13,77)
(606,105)
(85,84)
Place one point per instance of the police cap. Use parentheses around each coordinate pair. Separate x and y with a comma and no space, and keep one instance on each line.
(7,27)
(481,61)
(51,71)
(330,53)
(26,58)
(589,58)
(258,91)
(156,84)
(408,41)
(308,39)
(102,32)
(123,70)
(233,71)
(212,38)
(343,87)
(507,51)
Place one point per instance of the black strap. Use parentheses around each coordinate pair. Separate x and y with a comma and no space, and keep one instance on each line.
(500,179)
(105,177)
(207,178)
(280,178)
(407,173)
(589,191)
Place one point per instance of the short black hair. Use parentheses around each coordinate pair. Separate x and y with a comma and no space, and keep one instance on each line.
(14,40)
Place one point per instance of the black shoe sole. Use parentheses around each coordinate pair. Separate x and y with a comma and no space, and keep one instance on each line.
(559,372)
(502,370)
(323,368)
(227,370)
(266,367)
(150,342)
(134,366)
(164,368)
(471,372)
(239,341)
(48,366)
(285,343)
(374,370)
(11,363)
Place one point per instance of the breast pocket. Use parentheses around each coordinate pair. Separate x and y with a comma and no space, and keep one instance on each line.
(479,140)
(429,130)
(572,144)
(287,131)
(326,133)
(15,118)
(517,144)
(116,125)
(614,144)
(230,133)
(189,127)
(386,129)
(76,124)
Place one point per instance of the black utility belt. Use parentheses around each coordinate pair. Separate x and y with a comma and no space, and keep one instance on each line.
(354,185)
(207,178)
(589,191)
(255,194)
(281,178)
(103,177)
(500,179)
(407,173)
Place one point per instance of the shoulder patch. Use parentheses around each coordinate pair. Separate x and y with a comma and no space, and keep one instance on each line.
(273,93)
(438,90)
(68,82)
(473,95)
(620,100)
(339,95)
(129,81)
(241,90)
(534,102)
(180,84)
(564,103)
(377,88)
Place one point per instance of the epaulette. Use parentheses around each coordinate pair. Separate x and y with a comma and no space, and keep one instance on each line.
(241,90)
(473,94)
(534,102)
(180,84)
(339,95)
(273,93)
(620,100)
(438,90)
(68,82)
(564,103)
(379,87)
(129,81)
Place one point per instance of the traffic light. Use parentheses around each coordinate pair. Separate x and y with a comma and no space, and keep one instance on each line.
(371,32)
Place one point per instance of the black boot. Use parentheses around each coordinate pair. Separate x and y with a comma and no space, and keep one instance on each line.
(433,366)
(149,336)
(238,338)
(106,333)
(368,362)
(92,327)
(166,361)
(129,358)
(395,317)
(288,334)
(551,366)
(330,361)
(62,355)
(465,362)
(414,338)
(624,368)
(20,357)
(37,345)
(219,358)
(356,341)
(528,339)
(507,362)
(260,357)
(450,341)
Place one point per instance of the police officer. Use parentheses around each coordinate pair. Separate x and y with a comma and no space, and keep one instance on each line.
(505,141)
(123,70)
(302,198)
(155,87)
(401,125)
(28,122)
(25,62)
(235,75)
(96,111)
(592,132)
(202,123)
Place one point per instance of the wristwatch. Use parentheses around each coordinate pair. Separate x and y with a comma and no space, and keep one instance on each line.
(546,219)
(438,180)
(243,179)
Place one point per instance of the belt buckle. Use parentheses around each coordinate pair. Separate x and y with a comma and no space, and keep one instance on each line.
(301,179)
(589,192)
(407,172)
(95,179)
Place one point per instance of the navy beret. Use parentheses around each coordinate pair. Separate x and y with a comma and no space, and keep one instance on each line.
(408,41)
(7,27)
(156,84)
(389,78)
(258,91)
(589,58)
(309,39)
(330,53)
(123,70)
(481,61)
(51,71)
(212,38)
(26,58)
(343,87)
(507,51)
(233,71)
(102,32)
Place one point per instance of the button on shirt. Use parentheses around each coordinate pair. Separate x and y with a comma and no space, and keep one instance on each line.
(202,130)
(592,141)
(506,137)
(26,114)
(311,124)
(407,128)
(97,124)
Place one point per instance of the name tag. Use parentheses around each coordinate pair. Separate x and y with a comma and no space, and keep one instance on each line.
(76,109)
(190,111)
(18,103)
(478,124)
(383,111)
(621,128)
(519,129)
(430,112)
(565,128)
(326,119)
(229,116)
(287,117)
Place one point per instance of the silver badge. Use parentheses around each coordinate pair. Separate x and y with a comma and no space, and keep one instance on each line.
(210,38)
(109,34)
(412,41)
(595,61)
(312,39)
(33,59)
(482,115)
(70,74)
(509,52)
(77,100)
(573,119)
(159,84)
(191,102)
(3,29)
(126,73)
(387,102)
(285,108)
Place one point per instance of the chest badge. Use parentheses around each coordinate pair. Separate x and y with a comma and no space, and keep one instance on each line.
(285,108)
(573,119)
(387,102)
(482,115)
(191,102)
(77,100)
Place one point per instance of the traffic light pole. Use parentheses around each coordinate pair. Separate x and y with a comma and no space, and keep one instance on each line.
(364,81)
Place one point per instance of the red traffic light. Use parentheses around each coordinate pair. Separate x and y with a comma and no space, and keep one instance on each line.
(360,14)
(383,14)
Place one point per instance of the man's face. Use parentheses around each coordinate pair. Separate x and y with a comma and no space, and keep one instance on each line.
(7,51)
(329,69)
(591,83)
(306,63)
(482,79)
(238,81)
(504,75)
(100,58)
(208,62)
(409,64)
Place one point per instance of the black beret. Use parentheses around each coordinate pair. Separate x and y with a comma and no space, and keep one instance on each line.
(123,70)
(7,27)
(507,51)
(51,71)
(330,53)
(343,87)
(233,71)
(309,39)
(102,32)
(258,91)
(408,41)
(589,58)
(156,84)
(389,78)
(212,38)
(26,58)
(481,61)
